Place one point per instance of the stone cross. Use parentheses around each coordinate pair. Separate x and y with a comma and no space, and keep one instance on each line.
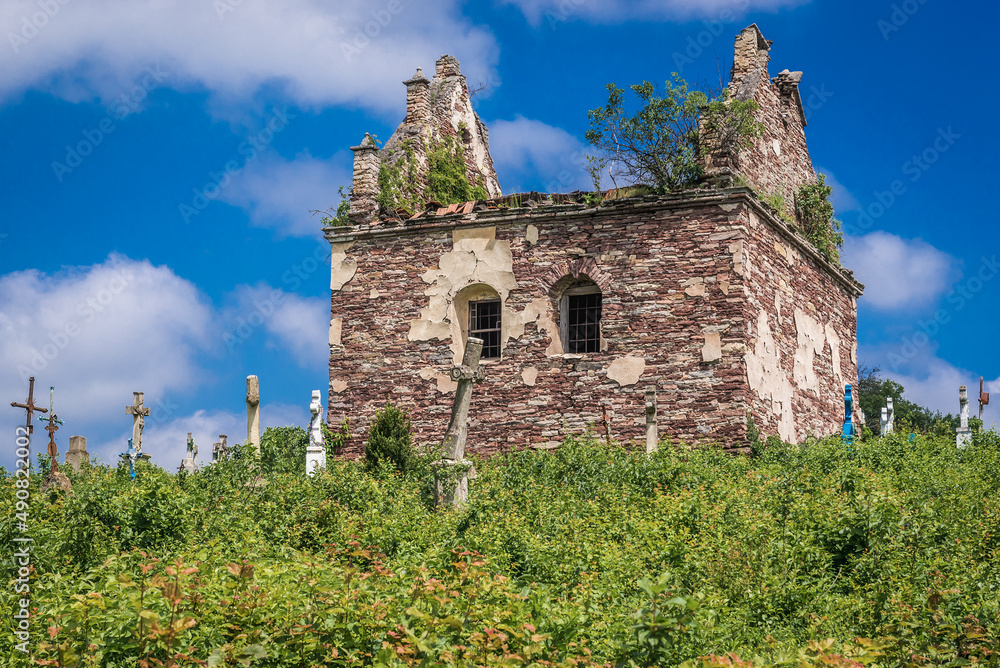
(884,422)
(652,439)
(52,428)
(190,461)
(130,456)
(77,455)
(139,414)
(890,416)
(253,412)
(964,435)
(220,448)
(316,451)
(847,435)
(30,406)
(453,460)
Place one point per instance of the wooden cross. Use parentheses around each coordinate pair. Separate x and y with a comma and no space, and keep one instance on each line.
(138,413)
(29,405)
(52,428)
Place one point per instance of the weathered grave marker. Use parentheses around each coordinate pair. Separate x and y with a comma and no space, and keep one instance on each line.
(132,455)
(890,416)
(220,448)
(452,472)
(190,461)
(30,406)
(652,438)
(77,455)
(139,414)
(963,436)
(847,435)
(253,411)
(54,478)
(316,451)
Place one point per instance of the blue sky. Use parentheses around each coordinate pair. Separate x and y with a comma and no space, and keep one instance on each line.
(160,162)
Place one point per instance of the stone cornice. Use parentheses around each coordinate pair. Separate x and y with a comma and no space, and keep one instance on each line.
(568,212)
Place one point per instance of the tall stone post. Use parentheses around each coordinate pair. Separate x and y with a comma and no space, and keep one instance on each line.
(963,436)
(253,412)
(652,437)
(453,471)
(77,455)
(418,108)
(364,187)
(890,416)
(316,451)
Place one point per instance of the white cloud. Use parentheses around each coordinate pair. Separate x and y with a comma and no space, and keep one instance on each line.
(281,193)
(299,325)
(841,197)
(898,273)
(936,385)
(317,52)
(617,11)
(99,333)
(533,155)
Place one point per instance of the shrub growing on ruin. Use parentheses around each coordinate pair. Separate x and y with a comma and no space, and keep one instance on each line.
(659,144)
(815,212)
(389,440)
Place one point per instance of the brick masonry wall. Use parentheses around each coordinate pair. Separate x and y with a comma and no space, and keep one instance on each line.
(802,345)
(678,315)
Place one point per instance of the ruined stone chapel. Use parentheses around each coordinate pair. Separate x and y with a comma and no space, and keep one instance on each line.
(707,296)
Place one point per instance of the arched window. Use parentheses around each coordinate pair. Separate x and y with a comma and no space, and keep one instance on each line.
(480,311)
(580,317)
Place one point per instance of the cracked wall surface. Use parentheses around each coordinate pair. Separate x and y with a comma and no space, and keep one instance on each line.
(700,304)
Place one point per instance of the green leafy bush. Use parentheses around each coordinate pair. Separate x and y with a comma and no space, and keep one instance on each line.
(816,217)
(389,440)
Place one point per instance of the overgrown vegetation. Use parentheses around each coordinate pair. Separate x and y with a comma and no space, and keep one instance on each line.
(389,441)
(816,218)
(447,180)
(339,217)
(882,554)
(658,143)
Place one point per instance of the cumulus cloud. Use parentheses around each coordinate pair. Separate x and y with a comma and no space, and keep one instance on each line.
(282,320)
(281,194)
(898,273)
(619,11)
(318,53)
(935,385)
(100,332)
(531,155)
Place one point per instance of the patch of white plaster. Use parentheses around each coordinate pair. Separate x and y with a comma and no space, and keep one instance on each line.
(373,294)
(723,281)
(834,339)
(336,326)
(694,287)
(342,268)
(338,386)
(766,377)
(811,337)
(531,234)
(626,370)
(529,374)
(712,350)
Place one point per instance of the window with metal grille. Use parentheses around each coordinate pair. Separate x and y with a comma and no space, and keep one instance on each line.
(583,323)
(484,323)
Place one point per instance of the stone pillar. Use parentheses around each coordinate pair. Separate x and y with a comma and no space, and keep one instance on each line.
(963,436)
(890,416)
(884,422)
(418,107)
(253,412)
(190,463)
(652,437)
(447,66)
(77,455)
(316,451)
(752,53)
(364,187)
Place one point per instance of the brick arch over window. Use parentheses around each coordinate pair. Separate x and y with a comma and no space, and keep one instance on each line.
(565,273)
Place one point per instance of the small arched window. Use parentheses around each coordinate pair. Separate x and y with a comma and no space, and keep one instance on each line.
(480,311)
(580,317)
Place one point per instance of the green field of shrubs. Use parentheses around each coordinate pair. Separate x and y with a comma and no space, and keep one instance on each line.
(884,553)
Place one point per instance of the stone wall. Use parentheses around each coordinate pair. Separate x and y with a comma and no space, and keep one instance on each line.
(802,327)
(779,162)
(679,314)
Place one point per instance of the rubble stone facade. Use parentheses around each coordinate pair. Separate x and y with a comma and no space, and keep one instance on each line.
(706,296)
